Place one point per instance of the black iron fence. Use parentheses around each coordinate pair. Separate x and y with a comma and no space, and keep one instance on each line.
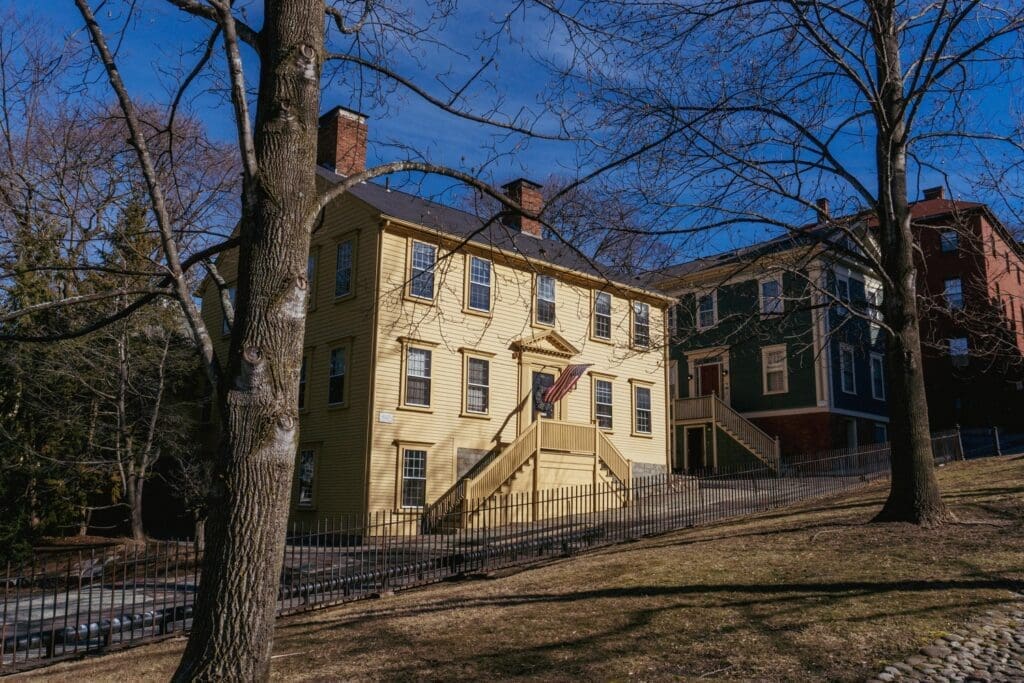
(64,604)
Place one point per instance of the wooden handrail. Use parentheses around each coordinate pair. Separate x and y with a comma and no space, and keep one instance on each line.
(613,459)
(502,467)
(760,443)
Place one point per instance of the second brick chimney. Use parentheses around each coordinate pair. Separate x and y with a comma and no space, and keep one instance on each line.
(935,192)
(341,141)
(526,194)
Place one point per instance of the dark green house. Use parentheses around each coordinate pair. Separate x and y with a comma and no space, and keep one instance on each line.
(775,352)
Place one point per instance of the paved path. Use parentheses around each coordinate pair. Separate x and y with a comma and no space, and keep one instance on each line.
(990,648)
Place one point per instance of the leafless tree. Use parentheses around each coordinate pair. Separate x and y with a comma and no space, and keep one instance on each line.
(299,47)
(766,105)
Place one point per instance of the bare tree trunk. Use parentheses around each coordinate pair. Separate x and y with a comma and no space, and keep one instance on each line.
(199,542)
(134,496)
(232,633)
(914,491)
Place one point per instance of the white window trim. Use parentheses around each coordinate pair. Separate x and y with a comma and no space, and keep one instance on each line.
(841,298)
(351,241)
(593,313)
(345,348)
(311,503)
(405,448)
(470,356)
(470,283)
(853,369)
(537,299)
(762,301)
(877,357)
(765,350)
(611,386)
(633,320)
(714,309)
(410,274)
(636,385)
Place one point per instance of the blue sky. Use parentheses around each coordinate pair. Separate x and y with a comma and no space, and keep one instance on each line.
(157,45)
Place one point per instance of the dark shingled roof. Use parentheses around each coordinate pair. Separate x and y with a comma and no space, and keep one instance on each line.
(409,207)
(803,237)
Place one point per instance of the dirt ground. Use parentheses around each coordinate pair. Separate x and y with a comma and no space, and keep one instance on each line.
(811,592)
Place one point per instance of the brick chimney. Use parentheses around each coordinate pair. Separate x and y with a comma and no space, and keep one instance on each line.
(341,141)
(526,193)
(823,210)
(935,192)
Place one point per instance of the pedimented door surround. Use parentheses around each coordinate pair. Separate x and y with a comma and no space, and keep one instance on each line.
(545,352)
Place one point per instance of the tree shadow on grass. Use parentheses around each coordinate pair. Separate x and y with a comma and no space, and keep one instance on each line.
(775,613)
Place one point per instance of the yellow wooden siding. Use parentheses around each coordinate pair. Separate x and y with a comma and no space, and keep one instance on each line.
(337,433)
(453,330)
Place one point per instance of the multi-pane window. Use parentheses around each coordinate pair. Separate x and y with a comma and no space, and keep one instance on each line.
(847,369)
(225,324)
(417,377)
(707,312)
(771,297)
(414,478)
(603,403)
(336,377)
(880,432)
(479,284)
(874,303)
(424,259)
(302,384)
(842,292)
(343,269)
(307,472)
(775,378)
(877,377)
(602,315)
(954,293)
(949,240)
(642,409)
(958,346)
(478,385)
(641,324)
(311,282)
(545,300)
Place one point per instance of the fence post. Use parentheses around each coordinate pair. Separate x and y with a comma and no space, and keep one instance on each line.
(960,443)
(995,440)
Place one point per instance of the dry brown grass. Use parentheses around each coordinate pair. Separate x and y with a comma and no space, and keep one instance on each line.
(801,594)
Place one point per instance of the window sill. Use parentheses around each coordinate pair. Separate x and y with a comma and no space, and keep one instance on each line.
(775,393)
(422,300)
(337,406)
(416,409)
(344,297)
(477,312)
(475,416)
(602,340)
(642,435)
(543,326)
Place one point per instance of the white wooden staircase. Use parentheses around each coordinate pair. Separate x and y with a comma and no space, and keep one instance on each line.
(720,414)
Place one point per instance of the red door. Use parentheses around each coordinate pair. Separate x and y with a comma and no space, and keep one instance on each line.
(709,378)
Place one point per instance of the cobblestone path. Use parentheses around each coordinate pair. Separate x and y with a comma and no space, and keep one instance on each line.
(988,649)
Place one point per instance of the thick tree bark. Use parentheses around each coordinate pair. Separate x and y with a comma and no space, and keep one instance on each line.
(914,491)
(232,633)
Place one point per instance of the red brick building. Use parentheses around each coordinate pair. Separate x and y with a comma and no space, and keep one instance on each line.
(971,300)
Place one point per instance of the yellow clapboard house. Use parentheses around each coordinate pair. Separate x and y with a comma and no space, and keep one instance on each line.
(431,339)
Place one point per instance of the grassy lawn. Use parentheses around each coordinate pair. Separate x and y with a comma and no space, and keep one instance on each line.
(806,593)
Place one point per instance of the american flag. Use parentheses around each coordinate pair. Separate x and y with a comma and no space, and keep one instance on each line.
(565,383)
